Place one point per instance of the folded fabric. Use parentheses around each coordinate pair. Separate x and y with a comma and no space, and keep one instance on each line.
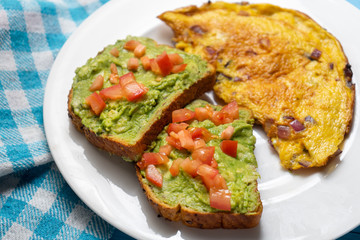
(35,200)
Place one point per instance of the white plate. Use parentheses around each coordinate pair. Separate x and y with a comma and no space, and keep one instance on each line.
(315,204)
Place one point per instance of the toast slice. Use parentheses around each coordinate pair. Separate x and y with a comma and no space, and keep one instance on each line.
(186,190)
(291,72)
(124,118)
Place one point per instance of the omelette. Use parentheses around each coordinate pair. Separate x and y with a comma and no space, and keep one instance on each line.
(282,65)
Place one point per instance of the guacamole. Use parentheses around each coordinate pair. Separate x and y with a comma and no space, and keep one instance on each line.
(240,172)
(122,119)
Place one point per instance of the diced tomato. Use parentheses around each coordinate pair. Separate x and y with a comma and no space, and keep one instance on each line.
(201,133)
(232,109)
(145,61)
(164,63)
(114,92)
(202,114)
(175,58)
(220,199)
(214,163)
(113,68)
(114,52)
(134,90)
(182,115)
(176,127)
(174,142)
(205,170)
(227,133)
(96,103)
(131,45)
(154,66)
(114,78)
(154,176)
(219,182)
(175,167)
(190,166)
(204,154)
(97,83)
(165,149)
(185,140)
(127,78)
(178,68)
(133,64)
(140,50)
(229,147)
(227,114)
(199,143)
(152,159)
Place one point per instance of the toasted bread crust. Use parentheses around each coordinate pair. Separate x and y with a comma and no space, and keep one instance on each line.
(196,219)
(133,152)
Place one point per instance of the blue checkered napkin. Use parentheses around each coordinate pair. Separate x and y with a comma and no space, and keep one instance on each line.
(35,201)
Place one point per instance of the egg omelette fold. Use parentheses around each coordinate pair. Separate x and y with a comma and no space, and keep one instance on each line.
(282,65)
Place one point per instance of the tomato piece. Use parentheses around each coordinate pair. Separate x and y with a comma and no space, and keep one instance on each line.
(139,50)
(113,68)
(182,115)
(114,92)
(220,118)
(214,163)
(165,149)
(204,154)
(176,127)
(131,45)
(201,133)
(199,143)
(127,78)
(145,61)
(205,170)
(175,167)
(115,52)
(134,90)
(97,83)
(133,64)
(154,66)
(114,78)
(220,199)
(178,68)
(202,114)
(96,103)
(174,142)
(190,166)
(219,182)
(175,58)
(153,175)
(229,147)
(164,63)
(227,133)
(232,109)
(152,159)
(185,140)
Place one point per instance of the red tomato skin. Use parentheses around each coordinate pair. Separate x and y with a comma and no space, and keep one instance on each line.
(164,63)
(97,83)
(202,114)
(114,92)
(190,166)
(131,45)
(232,109)
(204,154)
(178,68)
(175,167)
(165,149)
(176,127)
(175,58)
(220,199)
(152,159)
(229,147)
(227,133)
(182,115)
(153,175)
(127,78)
(96,103)
(134,91)
(185,140)
(174,142)
(145,61)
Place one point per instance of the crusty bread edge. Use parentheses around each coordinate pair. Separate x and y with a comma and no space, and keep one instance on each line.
(197,219)
(134,151)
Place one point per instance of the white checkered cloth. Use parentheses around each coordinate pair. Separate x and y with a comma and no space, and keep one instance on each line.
(35,200)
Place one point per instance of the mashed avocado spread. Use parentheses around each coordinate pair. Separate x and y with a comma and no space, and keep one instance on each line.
(240,172)
(122,119)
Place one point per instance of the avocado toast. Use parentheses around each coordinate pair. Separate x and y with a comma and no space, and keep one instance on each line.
(122,98)
(194,173)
